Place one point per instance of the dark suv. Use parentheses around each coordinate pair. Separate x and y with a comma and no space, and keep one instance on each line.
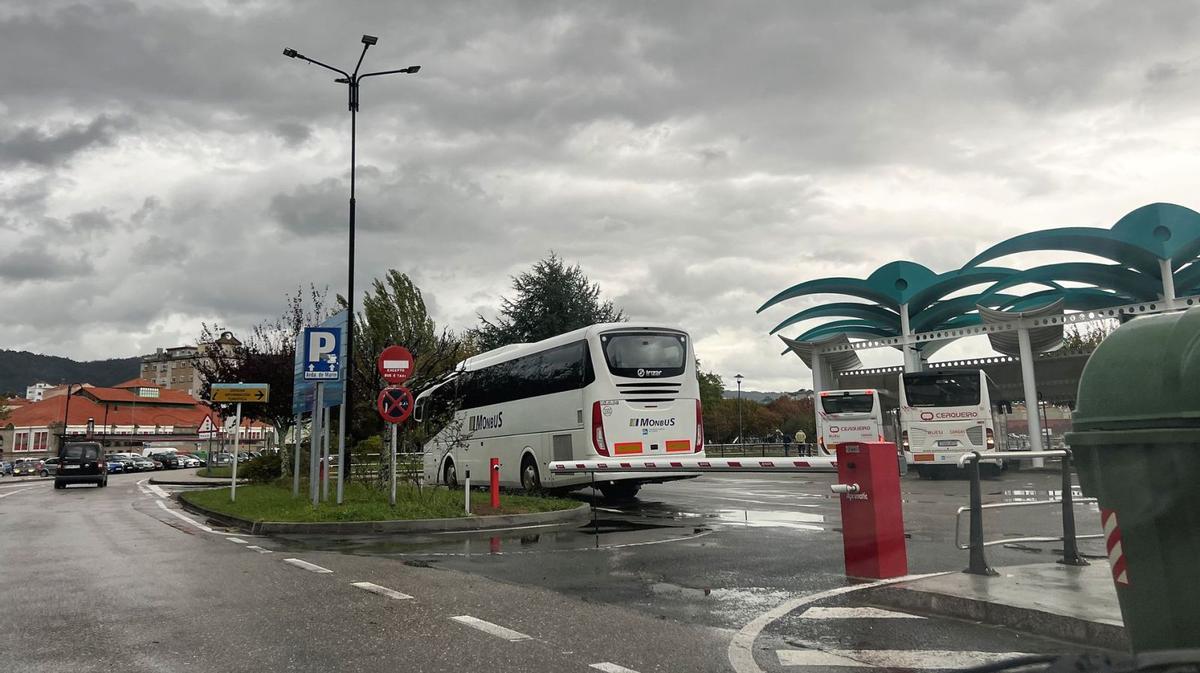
(169,460)
(81,462)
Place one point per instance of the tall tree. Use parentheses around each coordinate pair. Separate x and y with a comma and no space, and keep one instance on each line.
(266,355)
(1076,339)
(551,298)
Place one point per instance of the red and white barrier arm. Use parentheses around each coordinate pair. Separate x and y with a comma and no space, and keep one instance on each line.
(815,464)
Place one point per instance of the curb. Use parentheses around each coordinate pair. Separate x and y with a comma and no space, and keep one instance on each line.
(211,482)
(454,525)
(24,480)
(1038,622)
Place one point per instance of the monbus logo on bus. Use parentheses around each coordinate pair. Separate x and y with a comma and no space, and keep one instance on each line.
(481,422)
(652,422)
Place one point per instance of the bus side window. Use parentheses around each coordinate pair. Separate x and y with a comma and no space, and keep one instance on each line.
(419,409)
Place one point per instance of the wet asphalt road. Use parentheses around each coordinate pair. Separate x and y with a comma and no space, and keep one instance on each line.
(661,584)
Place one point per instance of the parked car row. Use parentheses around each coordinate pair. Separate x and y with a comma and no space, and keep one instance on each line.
(114,463)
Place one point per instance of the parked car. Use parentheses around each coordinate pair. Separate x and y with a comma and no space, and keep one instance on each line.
(157,465)
(143,464)
(126,461)
(221,459)
(114,465)
(26,467)
(170,461)
(49,466)
(6,468)
(187,461)
(81,462)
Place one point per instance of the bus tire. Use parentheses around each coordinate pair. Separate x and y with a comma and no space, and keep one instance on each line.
(924,471)
(620,491)
(450,475)
(531,480)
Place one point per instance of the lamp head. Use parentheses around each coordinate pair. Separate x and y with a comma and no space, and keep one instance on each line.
(412,69)
(369,40)
(290,53)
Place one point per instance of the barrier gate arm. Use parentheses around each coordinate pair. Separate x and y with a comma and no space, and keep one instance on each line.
(699,465)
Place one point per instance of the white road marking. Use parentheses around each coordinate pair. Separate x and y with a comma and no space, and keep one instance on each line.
(261,550)
(20,490)
(918,659)
(158,491)
(855,613)
(311,567)
(609,667)
(740,651)
(382,591)
(236,540)
(183,518)
(490,628)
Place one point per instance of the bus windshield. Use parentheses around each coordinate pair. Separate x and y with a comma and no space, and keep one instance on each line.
(942,389)
(645,354)
(848,403)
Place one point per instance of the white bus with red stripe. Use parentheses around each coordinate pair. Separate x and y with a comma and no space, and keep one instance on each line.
(946,413)
(859,415)
(616,390)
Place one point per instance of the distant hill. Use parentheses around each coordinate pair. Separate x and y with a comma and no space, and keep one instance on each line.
(19,369)
(758,396)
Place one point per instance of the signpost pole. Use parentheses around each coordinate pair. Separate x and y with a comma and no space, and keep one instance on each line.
(341,448)
(314,444)
(237,438)
(296,458)
(392,498)
(326,432)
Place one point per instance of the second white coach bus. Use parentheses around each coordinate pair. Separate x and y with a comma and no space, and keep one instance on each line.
(613,390)
(946,413)
(864,415)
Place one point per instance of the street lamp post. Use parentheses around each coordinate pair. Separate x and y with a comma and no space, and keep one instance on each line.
(739,378)
(351,80)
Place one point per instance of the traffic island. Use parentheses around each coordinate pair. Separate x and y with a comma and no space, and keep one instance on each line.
(1070,603)
(263,509)
(192,477)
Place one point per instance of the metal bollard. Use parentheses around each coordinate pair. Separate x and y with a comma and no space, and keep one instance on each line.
(977,564)
(495,483)
(1071,555)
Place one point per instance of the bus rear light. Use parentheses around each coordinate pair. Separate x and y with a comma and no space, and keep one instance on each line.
(991,440)
(598,442)
(904,440)
(699,427)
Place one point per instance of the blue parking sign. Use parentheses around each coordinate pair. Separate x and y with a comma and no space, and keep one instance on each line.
(322,346)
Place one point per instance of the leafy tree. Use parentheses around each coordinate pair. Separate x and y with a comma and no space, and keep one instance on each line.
(1075,339)
(551,298)
(795,415)
(266,355)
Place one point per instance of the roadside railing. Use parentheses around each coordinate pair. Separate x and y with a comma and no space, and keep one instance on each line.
(760,449)
(976,544)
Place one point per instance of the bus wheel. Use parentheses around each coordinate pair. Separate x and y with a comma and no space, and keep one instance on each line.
(620,491)
(531,481)
(924,472)
(450,476)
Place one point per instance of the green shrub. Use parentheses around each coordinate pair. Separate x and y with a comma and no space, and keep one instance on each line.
(264,469)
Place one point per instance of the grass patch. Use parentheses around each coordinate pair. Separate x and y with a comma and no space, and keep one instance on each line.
(223,472)
(274,502)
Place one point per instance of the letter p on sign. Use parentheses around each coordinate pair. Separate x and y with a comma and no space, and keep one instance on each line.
(322,359)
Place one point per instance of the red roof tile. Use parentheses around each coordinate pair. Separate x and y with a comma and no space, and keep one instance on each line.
(47,412)
(137,383)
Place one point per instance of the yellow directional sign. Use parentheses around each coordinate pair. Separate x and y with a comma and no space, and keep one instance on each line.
(240,392)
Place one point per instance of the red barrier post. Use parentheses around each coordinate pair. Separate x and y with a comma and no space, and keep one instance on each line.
(495,483)
(872,515)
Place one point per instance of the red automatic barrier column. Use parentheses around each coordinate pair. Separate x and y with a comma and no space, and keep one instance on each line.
(872,517)
(495,483)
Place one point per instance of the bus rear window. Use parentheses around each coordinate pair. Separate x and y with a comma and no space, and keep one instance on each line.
(860,403)
(941,390)
(645,355)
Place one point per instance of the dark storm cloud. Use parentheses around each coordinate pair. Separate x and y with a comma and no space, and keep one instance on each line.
(293,133)
(40,261)
(51,147)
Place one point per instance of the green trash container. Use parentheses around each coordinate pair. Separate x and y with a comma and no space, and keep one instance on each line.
(1136,441)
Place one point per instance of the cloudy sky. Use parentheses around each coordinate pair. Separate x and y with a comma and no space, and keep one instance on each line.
(162,164)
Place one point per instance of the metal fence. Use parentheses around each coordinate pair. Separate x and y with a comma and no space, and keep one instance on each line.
(760,449)
(976,544)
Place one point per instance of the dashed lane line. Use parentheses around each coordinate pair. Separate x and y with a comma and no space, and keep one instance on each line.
(382,591)
(183,518)
(913,659)
(21,490)
(236,540)
(609,667)
(856,613)
(310,567)
(492,629)
(261,550)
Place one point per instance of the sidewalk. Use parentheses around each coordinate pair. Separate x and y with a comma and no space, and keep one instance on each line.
(189,477)
(1075,604)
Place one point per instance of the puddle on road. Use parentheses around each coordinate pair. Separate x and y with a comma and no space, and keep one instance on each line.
(736,605)
(770,519)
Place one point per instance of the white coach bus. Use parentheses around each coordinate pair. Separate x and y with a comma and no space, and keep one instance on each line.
(861,415)
(615,390)
(946,413)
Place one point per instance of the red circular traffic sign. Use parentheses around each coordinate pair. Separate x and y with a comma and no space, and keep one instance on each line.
(395,404)
(395,364)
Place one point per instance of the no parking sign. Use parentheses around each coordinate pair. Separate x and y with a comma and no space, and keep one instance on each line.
(395,404)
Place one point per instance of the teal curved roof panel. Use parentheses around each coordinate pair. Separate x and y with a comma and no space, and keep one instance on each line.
(1073,298)
(942,311)
(1139,286)
(871,313)
(849,328)
(953,281)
